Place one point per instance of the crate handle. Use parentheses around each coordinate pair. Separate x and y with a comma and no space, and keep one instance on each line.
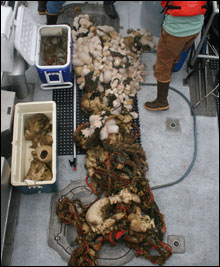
(32,184)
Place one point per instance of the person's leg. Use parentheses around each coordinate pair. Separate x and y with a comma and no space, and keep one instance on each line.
(168,51)
(52,19)
(42,7)
(190,42)
(162,74)
(54,8)
(110,9)
(187,45)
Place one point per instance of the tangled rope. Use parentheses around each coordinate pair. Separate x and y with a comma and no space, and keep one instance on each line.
(115,162)
(123,164)
(90,243)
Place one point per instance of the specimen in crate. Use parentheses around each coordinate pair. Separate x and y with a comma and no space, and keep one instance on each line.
(39,171)
(109,70)
(46,140)
(54,50)
(36,127)
(43,153)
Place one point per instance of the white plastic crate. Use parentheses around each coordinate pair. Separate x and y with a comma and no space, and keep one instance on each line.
(21,151)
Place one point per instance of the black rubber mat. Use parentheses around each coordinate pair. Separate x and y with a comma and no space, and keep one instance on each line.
(64,103)
(95,11)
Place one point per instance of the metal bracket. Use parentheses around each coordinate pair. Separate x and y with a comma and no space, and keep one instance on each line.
(197,55)
(73,163)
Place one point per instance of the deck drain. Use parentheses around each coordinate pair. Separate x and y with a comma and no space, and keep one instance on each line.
(173,126)
(177,243)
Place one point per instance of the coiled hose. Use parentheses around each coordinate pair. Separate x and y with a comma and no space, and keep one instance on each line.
(195,139)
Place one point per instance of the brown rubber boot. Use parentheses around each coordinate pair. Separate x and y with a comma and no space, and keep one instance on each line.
(161,102)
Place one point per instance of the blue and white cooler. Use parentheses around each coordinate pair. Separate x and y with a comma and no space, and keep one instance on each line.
(53,57)
(48,47)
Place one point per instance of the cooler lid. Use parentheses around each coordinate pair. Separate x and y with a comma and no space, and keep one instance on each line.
(26,35)
(2,163)
(5,169)
(7,18)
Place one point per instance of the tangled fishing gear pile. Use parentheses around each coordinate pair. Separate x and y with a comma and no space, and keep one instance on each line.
(109,72)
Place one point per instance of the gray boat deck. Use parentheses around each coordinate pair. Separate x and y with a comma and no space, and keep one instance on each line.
(191,208)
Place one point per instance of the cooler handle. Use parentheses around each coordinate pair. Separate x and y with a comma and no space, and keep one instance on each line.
(46,86)
(32,184)
(60,76)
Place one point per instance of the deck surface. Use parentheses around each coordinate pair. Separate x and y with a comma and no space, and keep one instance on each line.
(191,208)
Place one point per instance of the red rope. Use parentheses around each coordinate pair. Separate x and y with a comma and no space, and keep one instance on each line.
(119,234)
(151,194)
(164,229)
(138,134)
(121,181)
(73,210)
(139,251)
(124,209)
(89,261)
(110,238)
(64,221)
(108,163)
(167,247)
(87,247)
(82,125)
(127,238)
(89,185)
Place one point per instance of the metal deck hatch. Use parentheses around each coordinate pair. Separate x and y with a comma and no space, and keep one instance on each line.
(62,237)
